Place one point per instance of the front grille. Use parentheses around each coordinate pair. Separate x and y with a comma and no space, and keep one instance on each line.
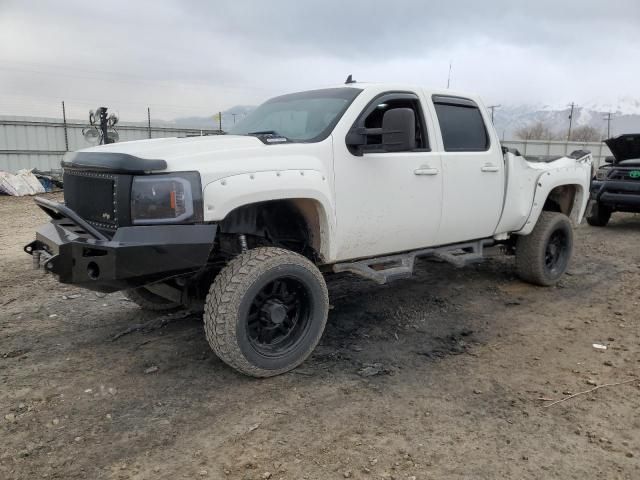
(93,196)
(624,175)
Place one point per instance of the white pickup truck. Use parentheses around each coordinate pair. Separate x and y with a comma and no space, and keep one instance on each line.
(360,178)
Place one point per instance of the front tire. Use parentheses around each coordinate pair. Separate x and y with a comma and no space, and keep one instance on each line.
(266,311)
(599,215)
(542,257)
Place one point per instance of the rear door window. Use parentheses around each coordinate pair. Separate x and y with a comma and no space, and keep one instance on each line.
(461,124)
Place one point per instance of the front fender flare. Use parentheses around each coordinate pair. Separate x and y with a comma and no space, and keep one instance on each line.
(226,194)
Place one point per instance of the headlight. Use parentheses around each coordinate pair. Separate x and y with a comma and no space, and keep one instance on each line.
(601,173)
(173,198)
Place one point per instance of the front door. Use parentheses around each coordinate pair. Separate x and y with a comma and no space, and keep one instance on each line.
(387,201)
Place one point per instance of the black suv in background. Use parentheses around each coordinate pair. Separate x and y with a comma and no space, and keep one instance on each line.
(616,185)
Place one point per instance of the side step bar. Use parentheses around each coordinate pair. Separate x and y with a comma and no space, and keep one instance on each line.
(393,267)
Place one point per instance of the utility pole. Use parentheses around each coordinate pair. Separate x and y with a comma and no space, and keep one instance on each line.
(149,121)
(449,76)
(608,119)
(64,122)
(220,121)
(570,121)
(493,107)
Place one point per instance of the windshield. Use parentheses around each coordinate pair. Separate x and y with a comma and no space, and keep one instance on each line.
(300,117)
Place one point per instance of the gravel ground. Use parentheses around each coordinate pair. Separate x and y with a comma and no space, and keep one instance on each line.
(448,375)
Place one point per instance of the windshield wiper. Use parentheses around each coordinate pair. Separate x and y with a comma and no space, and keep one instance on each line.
(270,136)
(266,132)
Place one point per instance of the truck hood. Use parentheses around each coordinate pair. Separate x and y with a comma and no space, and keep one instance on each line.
(625,147)
(172,148)
(215,156)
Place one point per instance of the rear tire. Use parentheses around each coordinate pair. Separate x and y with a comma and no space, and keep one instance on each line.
(150,301)
(599,215)
(542,257)
(266,311)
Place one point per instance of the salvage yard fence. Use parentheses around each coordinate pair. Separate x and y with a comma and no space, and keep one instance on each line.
(28,142)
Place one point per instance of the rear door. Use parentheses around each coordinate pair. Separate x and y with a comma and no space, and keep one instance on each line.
(473,171)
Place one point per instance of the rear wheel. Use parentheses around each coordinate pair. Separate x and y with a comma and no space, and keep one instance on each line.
(266,311)
(148,300)
(599,215)
(543,256)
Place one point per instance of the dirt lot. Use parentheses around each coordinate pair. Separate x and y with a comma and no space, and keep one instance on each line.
(445,375)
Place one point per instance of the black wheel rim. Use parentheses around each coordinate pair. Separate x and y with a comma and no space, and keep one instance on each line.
(557,252)
(279,316)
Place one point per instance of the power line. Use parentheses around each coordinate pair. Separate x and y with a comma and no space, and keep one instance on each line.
(119,77)
(28,102)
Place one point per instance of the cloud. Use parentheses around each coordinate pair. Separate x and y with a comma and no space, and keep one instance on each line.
(197,57)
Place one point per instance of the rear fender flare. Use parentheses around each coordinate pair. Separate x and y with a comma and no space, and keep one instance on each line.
(546,182)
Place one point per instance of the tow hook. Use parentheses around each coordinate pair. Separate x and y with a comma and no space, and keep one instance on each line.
(35,258)
(39,256)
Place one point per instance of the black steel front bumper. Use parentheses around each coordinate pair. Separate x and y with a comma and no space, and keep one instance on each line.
(79,254)
(621,196)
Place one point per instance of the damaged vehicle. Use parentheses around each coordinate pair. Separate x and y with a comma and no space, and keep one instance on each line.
(360,178)
(616,186)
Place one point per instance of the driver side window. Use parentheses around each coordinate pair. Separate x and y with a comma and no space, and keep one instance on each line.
(375,114)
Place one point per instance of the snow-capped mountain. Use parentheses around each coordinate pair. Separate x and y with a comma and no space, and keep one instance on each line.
(625,117)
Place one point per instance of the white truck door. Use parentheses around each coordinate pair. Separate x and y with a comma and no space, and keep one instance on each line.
(473,171)
(386,201)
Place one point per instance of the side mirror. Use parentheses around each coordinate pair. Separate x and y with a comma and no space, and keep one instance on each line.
(399,130)
(356,137)
(610,159)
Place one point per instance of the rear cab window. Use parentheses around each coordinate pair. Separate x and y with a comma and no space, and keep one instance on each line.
(461,124)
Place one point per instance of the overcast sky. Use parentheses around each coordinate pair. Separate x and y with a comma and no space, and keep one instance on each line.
(186,58)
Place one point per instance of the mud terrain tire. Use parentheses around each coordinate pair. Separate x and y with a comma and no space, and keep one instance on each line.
(599,215)
(266,311)
(543,256)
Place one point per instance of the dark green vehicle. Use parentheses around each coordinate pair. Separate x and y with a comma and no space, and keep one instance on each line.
(616,185)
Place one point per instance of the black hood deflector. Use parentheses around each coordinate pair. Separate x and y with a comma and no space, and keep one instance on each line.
(111,162)
(625,147)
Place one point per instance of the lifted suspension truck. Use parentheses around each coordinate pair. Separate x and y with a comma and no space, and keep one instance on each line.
(360,178)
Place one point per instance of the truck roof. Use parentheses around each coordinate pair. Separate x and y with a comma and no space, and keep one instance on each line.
(384,87)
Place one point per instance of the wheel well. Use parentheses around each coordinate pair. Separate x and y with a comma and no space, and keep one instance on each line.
(563,199)
(294,224)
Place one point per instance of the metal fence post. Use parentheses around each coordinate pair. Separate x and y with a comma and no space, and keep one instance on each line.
(64,123)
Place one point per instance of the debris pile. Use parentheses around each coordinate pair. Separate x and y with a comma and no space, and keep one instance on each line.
(22,183)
